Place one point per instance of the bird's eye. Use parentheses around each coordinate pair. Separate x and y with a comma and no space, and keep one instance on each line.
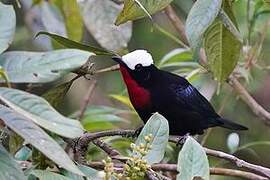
(138,66)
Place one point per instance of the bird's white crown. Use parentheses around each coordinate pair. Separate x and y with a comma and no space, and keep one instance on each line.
(138,57)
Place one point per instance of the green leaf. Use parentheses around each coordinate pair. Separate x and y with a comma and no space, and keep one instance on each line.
(4,76)
(56,95)
(101,117)
(192,161)
(158,126)
(39,111)
(41,67)
(123,99)
(200,17)
(9,169)
(73,44)
(38,138)
(136,9)
(72,18)
(222,48)
(8,25)
(23,154)
(48,175)
(99,17)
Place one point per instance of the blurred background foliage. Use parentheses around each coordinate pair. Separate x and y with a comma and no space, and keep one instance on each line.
(109,107)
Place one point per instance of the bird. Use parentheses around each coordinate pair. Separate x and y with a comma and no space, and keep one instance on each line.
(151,90)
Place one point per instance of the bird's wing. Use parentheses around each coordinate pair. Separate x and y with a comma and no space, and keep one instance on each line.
(190,98)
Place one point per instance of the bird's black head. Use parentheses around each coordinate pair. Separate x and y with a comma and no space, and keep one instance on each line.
(138,65)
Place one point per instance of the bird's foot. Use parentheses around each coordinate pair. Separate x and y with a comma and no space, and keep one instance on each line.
(182,139)
(135,134)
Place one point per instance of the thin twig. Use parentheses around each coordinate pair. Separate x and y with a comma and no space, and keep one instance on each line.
(87,99)
(250,101)
(176,21)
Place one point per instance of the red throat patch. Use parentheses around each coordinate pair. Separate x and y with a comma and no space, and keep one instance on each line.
(139,96)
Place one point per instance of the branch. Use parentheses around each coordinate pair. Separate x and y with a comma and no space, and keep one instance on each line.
(88,137)
(173,168)
(87,99)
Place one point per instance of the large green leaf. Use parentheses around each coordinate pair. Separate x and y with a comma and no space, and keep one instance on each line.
(200,17)
(192,161)
(76,45)
(222,47)
(158,126)
(48,175)
(40,111)
(72,18)
(41,67)
(9,169)
(7,27)
(99,17)
(136,9)
(38,138)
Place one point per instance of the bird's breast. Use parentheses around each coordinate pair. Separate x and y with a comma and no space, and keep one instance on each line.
(139,96)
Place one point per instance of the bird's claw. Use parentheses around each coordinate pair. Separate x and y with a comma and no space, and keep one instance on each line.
(182,140)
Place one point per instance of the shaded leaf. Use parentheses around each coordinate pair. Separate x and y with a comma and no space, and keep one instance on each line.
(176,55)
(133,9)
(99,16)
(72,18)
(52,18)
(15,143)
(48,175)
(158,126)
(222,48)
(123,99)
(41,67)
(200,17)
(72,44)
(192,161)
(8,25)
(9,169)
(39,111)
(56,95)
(38,138)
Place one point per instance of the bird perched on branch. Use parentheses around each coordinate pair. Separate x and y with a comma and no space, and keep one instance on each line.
(153,90)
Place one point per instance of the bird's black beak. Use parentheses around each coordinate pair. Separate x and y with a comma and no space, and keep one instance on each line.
(117,59)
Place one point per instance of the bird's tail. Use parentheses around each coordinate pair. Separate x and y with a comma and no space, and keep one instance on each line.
(231,125)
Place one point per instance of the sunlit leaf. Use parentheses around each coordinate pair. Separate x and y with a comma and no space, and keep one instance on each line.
(39,111)
(200,17)
(48,175)
(99,17)
(9,169)
(136,9)
(76,45)
(176,55)
(41,67)
(38,138)
(192,161)
(56,95)
(123,99)
(222,48)
(158,126)
(7,27)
